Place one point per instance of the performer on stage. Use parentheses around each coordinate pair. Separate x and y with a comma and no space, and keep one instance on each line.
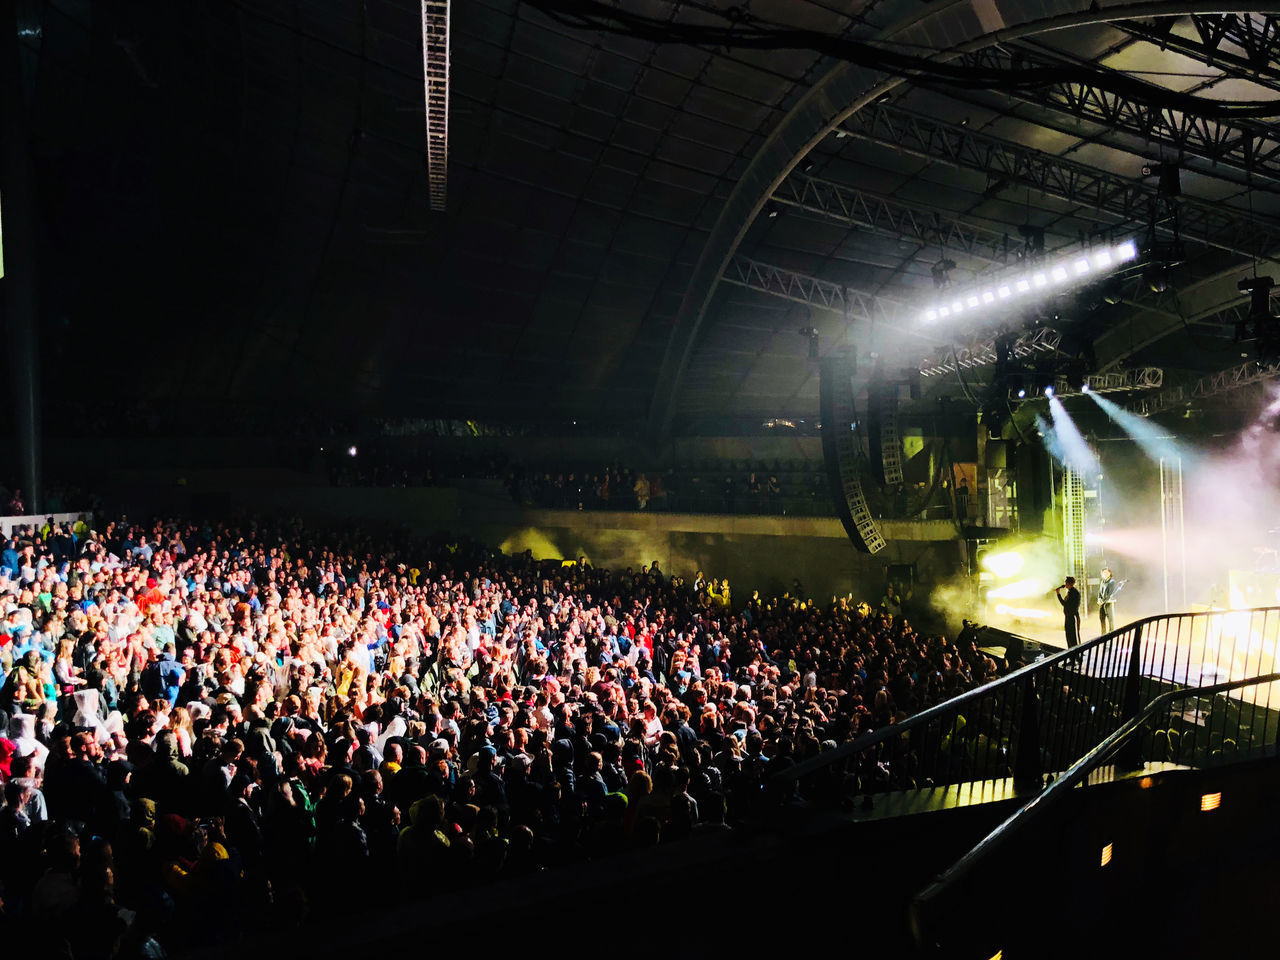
(1107,591)
(1070,610)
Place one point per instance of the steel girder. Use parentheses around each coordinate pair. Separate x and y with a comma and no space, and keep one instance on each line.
(1257,35)
(1160,314)
(801,288)
(1128,200)
(843,91)
(1142,378)
(1242,147)
(982,353)
(1212,385)
(890,217)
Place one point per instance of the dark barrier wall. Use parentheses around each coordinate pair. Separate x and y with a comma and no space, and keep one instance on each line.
(754,552)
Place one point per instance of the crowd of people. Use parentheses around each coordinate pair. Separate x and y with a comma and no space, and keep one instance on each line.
(259,716)
(720,488)
(619,487)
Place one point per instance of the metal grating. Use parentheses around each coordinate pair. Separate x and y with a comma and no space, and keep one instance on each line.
(435,77)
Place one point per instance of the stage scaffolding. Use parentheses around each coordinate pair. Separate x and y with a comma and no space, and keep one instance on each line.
(1073,529)
(1172,533)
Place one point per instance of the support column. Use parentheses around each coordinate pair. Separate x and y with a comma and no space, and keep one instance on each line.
(20,280)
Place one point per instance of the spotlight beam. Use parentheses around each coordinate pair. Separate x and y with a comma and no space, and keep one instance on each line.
(1075,448)
(1150,438)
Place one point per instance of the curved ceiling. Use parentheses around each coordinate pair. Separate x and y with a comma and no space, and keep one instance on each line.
(234,203)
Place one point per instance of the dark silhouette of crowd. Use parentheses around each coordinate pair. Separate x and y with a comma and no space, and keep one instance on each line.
(258,715)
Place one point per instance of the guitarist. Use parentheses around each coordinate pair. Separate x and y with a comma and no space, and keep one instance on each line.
(1107,591)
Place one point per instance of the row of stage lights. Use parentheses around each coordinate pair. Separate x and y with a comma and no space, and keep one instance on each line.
(1080,265)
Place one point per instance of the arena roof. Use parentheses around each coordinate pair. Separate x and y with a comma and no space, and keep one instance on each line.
(234,202)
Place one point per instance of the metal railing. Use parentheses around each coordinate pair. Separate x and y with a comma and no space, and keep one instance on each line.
(1045,716)
(928,904)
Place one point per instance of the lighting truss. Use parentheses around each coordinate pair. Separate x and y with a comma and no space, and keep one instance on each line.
(1212,385)
(1244,147)
(811,291)
(1037,279)
(1127,199)
(435,77)
(1237,313)
(1142,378)
(1258,36)
(891,217)
(983,353)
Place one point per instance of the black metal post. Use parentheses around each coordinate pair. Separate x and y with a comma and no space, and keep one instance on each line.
(1130,754)
(20,280)
(1028,771)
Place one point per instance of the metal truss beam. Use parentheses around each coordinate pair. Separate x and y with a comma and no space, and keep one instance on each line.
(435,78)
(1237,151)
(1129,200)
(982,353)
(843,92)
(1257,35)
(1157,315)
(1142,378)
(890,217)
(1212,385)
(801,288)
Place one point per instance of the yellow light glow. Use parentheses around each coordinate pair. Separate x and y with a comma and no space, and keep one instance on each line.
(1018,590)
(1025,613)
(1210,801)
(1004,565)
(1146,783)
(1106,854)
(998,955)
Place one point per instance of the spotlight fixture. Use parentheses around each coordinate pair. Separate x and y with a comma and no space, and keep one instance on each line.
(1097,262)
(772,211)
(1084,387)
(351,451)
(1022,394)
(1048,391)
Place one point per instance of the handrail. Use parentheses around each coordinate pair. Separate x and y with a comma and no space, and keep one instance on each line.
(874,737)
(1073,776)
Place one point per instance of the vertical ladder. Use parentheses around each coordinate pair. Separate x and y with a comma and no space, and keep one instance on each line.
(1073,542)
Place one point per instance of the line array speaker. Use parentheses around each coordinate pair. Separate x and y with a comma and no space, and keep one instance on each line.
(838,451)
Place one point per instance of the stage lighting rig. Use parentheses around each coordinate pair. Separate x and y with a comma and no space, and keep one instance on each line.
(1034,279)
